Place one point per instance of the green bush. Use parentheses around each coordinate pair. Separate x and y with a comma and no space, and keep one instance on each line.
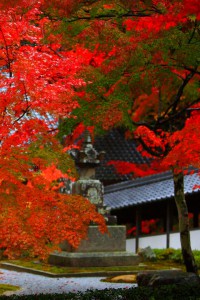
(164,254)
(197,257)
(170,292)
(169,254)
(175,255)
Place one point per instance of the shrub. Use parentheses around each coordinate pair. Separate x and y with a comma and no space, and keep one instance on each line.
(197,257)
(175,255)
(170,292)
(164,254)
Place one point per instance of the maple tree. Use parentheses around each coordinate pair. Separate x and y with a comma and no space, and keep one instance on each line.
(38,81)
(146,79)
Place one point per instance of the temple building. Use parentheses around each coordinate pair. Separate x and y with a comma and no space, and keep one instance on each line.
(146,204)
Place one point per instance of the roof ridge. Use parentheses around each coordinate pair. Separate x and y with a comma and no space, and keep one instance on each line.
(138,182)
(144,180)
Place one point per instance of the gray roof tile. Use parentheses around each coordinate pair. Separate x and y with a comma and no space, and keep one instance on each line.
(117,148)
(147,189)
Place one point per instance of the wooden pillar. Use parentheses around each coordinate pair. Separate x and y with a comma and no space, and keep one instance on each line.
(168,223)
(138,227)
(196,219)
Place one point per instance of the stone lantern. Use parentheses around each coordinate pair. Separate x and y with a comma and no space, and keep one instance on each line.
(86,160)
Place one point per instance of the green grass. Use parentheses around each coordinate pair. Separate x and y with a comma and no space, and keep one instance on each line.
(7,288)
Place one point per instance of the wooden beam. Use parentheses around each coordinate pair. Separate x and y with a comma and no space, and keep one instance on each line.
(168,223)
(138,228)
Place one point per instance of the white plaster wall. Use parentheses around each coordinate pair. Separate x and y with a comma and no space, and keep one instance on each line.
(159,241)
(194,236)
(174,241)
(195,239)
(130,245)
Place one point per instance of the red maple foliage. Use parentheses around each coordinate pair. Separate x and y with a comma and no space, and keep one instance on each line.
(125,80)
(38,84)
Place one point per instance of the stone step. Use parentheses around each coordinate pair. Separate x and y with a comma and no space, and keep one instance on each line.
(94,259)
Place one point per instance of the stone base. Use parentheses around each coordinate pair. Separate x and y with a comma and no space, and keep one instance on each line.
(94,259)
(98,250)
(114,240)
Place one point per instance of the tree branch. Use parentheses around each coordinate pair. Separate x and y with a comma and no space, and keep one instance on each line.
(7,53)
(108,16)
(177,114)
(24,112)
(193,32)
(158,153)
(179,93)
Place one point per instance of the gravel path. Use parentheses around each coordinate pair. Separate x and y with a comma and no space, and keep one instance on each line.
(37,284)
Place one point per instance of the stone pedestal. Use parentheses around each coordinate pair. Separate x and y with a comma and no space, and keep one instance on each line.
(98,250)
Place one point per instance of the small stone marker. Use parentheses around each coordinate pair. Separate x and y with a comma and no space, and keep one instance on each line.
(147,253)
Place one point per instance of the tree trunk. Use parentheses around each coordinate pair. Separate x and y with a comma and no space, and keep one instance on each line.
(181,205)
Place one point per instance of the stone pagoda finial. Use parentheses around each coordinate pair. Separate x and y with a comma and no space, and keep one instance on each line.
(88,158)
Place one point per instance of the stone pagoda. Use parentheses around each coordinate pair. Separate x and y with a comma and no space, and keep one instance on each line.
(98,249)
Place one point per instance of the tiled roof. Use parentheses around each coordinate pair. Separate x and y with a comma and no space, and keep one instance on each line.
(147,189)
(117,148)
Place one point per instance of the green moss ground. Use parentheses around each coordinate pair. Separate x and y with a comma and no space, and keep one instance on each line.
(8,288)
(62,270)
